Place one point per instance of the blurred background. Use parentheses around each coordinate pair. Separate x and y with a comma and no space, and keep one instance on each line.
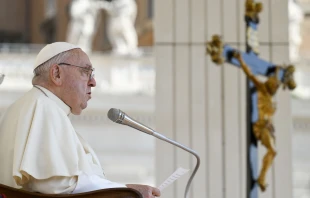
(125,80)
(125,74)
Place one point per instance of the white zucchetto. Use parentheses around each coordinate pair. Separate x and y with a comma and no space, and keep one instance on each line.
(51,50)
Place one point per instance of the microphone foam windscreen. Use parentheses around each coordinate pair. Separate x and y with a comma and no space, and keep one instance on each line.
(114,114)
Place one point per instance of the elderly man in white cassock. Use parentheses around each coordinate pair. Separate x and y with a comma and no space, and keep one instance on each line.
(39,149)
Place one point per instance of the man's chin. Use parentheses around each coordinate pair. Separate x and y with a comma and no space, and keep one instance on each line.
(79,111)
(76,112)
(83,106)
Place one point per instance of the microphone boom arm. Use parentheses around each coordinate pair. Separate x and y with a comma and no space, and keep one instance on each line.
(120,117)
(159,136)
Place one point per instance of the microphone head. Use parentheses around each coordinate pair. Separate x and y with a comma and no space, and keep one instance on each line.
(116,115)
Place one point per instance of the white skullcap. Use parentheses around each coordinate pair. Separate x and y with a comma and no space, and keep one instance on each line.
(51,50)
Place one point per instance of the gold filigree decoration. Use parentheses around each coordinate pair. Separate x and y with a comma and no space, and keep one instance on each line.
(252,9)
(288,77)
(215,49)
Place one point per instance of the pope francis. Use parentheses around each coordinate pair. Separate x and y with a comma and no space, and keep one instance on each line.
(39,149)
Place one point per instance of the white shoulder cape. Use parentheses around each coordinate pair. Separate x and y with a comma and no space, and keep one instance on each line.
(45,142)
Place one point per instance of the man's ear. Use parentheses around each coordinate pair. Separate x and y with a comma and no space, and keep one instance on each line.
(56,75)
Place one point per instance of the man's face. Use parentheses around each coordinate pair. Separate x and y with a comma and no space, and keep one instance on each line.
(77,83)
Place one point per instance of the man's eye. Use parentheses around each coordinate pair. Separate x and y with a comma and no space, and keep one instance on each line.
(86,71)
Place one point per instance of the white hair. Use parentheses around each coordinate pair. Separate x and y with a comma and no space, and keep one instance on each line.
(42,71)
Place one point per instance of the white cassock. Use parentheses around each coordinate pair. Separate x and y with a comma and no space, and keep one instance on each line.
(40,150)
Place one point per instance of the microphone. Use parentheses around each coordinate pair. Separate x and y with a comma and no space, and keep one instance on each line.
(120,117)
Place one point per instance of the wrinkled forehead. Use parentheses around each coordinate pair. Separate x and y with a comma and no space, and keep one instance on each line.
(80,57)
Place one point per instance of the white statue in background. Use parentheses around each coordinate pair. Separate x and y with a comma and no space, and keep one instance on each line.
(83,22)
(121,30)
(296,17)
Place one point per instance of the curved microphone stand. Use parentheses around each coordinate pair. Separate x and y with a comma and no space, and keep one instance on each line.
(120,117)
(159,136)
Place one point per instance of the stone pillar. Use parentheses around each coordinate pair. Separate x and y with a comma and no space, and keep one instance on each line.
(36,15)
(62,20)
(203,106)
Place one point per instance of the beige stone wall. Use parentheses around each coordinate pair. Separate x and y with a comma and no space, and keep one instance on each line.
(14,12)
(202,105)
(305,45)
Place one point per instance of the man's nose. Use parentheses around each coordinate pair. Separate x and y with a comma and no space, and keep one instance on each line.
(92,82)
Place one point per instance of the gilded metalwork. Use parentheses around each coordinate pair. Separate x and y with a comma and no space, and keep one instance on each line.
(215,49)
(263,128)
(263,107)
(252,9)
(288,77)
